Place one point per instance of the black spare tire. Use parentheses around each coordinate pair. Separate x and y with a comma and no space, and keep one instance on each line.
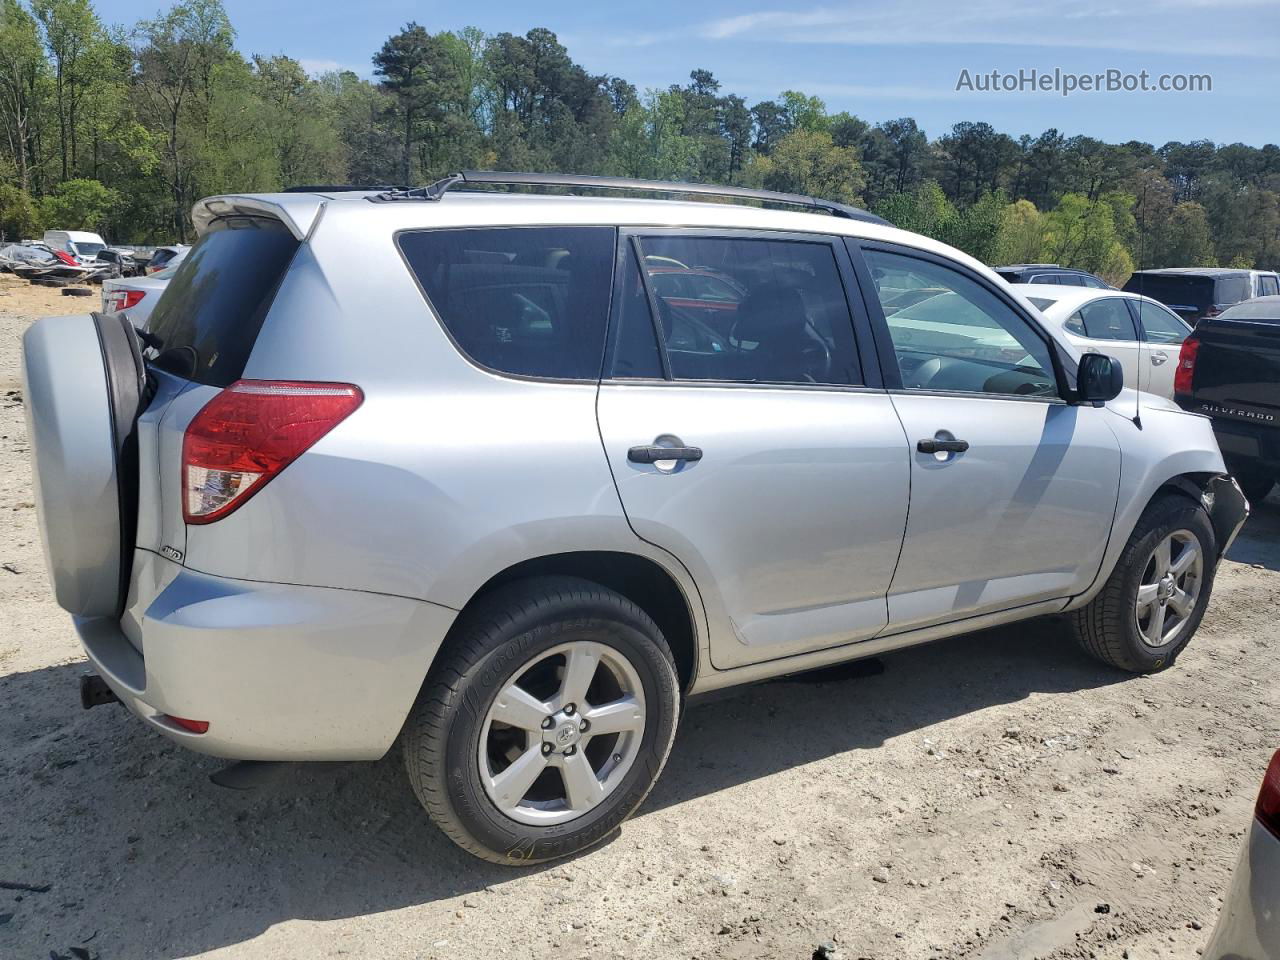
(84,384)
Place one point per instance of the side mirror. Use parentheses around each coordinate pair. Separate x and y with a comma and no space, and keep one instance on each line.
(1099,378)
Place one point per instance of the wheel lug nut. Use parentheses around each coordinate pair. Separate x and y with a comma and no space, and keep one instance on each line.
(570,751)
(584,726)
(546,748)
(548,723)
(569,709)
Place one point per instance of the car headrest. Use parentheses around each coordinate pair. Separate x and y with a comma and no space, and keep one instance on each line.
(770,312)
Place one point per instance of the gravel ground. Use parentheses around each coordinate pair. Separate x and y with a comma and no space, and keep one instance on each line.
(992,796)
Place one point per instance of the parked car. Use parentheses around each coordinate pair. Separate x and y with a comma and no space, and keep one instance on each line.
(163,256)
(1229,370)
(81,244)
(1141,333)
(122,261)
(136,297)
(462,492)
(1249,926)
(1051,273)
(1198,292)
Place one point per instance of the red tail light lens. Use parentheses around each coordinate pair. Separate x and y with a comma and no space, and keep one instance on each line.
(123,299)
(249,433)
(1268,809)
(1186,369)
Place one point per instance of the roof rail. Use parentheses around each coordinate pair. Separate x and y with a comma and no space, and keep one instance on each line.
(340,188)
(437,190)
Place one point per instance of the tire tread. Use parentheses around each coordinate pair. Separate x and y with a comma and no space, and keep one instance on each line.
(483,630)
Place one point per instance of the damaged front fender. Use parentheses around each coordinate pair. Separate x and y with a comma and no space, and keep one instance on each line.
(1228,508)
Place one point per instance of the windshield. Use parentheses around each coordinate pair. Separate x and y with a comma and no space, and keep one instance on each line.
(90,249)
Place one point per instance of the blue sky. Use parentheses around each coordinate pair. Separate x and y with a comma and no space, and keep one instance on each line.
(877,58)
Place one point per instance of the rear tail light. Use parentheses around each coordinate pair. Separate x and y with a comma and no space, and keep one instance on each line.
(1268,810)
(249,433)
(1185,372)
(119,300)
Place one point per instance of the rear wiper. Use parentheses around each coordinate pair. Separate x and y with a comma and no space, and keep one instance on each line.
(149,340)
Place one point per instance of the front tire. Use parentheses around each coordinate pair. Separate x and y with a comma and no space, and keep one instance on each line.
(1152,604)
(545,723)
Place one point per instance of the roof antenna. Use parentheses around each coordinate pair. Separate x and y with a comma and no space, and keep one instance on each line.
(1142,258)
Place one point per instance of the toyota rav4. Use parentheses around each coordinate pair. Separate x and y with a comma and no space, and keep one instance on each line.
(504,477)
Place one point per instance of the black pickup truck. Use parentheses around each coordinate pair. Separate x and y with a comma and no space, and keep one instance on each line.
(1229,369)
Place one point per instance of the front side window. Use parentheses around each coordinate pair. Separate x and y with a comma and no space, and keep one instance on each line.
(963,338)
(735,310)
(530,301)
(1160,324)
(1107,319)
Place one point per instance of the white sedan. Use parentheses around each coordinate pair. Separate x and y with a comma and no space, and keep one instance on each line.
(1143,334)
(136,296)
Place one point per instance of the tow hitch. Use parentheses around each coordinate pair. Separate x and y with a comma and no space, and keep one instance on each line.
(95,692)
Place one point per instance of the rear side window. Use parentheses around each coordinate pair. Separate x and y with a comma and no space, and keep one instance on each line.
(1233,289)
(1107,319)
(210,314)
(741,310)
(529,301)
(1268,286)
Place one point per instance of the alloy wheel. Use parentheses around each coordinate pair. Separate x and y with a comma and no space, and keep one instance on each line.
(562,733)
(1170,588)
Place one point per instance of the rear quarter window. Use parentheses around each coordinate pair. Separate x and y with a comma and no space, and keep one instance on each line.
(209,315)
(529,301)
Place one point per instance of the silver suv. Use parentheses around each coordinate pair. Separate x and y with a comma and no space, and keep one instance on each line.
(504,477)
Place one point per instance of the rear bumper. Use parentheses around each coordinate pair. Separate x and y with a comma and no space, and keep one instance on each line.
(279,672)
(1247,442)
(1250,923)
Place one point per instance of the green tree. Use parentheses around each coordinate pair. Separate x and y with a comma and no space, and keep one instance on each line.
(70,31)
(79,205)
(178,57)
(1022,234)
(808,162)
(19,218)
(22,74)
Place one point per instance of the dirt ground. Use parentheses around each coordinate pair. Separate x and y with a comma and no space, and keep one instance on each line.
(996,796)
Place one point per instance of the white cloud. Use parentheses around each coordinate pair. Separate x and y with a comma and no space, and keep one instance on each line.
(317,66)
(1187,27)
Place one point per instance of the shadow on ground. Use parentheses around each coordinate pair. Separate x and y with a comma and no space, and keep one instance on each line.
(1256,543)
(170,865)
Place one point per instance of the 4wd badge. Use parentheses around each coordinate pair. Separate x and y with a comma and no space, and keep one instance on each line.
(172,553)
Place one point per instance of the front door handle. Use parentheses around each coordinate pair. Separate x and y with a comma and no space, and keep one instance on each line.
(1159,358)
(933,445)
(653,454)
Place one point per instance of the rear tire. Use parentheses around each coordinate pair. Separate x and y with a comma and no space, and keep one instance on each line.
(1142,619)
(503,700)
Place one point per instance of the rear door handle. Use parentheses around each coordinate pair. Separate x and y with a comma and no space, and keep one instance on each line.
(653,454)
(1159,358)
(933,445)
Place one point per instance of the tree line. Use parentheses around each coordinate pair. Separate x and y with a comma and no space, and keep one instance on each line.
(121,129)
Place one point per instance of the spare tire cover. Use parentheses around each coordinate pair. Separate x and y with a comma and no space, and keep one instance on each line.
(83,384)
